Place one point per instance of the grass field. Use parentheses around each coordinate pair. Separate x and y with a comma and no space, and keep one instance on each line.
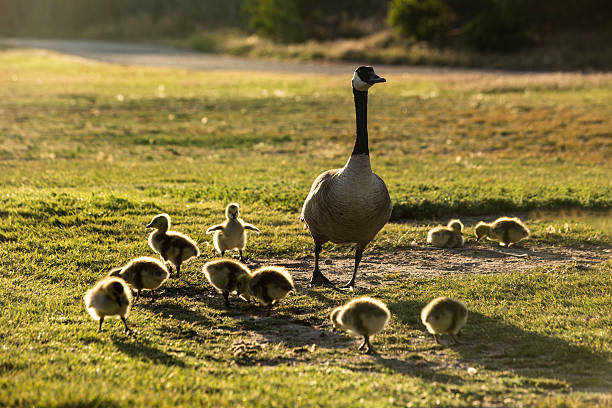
(90,152)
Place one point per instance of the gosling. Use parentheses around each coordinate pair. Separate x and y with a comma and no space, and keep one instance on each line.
(109,297)
(270,284)
(447,237)
(172,246)
(228,276)
(231,234)
(363,316)
(143,273)
(444,315)
(508,231)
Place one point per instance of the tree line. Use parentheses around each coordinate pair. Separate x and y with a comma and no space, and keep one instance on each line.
(498,25)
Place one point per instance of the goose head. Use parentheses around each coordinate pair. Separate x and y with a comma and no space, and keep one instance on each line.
(232,211)
(161,221)
(364,77)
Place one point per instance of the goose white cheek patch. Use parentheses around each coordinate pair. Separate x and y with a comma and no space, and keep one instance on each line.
(359,84)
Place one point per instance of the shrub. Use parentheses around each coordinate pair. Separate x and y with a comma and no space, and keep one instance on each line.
(419,19)
(279,20)
(500,27)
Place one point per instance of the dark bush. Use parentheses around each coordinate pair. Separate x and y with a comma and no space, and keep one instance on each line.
(419,19)
(279,20)
(499,27)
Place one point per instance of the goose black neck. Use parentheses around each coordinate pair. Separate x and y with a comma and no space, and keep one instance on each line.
(361,118)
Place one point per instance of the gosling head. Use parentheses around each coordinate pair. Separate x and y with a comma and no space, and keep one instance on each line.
(115,272)
(482,230)
(334,317)
(116,288)
(232,211)
(161,221)
(243,287)
(364,77)
(456,226)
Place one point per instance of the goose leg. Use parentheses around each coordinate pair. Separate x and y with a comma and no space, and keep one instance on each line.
(137,295)
(351,284)
(152,296)
(317,277)
(100,325)
(241,257)
(178,270)
(226,297)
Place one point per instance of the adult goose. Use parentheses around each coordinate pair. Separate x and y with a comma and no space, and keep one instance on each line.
(351,204)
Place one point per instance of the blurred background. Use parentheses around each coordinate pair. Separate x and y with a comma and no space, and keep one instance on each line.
(544,34)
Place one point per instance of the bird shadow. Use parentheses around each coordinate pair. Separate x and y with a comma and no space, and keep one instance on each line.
(176,311)
(139,349)
(500,346)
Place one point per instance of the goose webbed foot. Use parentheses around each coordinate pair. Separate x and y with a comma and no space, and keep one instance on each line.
(349,287)
(318,279)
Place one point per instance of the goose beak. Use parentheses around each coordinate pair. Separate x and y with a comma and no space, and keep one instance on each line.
(149,225)
(375,79)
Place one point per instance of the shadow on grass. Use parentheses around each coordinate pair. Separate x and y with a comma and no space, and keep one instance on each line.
(143,351)
(497,345)
(176,311)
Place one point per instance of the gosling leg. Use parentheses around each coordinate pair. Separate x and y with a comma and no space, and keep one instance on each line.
(127,329)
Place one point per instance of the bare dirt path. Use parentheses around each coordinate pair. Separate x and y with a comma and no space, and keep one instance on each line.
(165,56)
(421,262)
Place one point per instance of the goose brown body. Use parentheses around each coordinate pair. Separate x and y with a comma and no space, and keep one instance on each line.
(347,205)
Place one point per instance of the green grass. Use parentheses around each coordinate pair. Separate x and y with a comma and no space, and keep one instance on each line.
(90,152)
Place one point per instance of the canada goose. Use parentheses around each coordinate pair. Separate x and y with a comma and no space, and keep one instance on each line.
(231,234)
(269,284)
(228,276)
(351,204)
(363,316)
(143,273)
(172,246)
(508,231)
(447,237)
(109,297)
(444,315)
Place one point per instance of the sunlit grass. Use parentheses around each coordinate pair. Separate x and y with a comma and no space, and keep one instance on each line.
(90,152)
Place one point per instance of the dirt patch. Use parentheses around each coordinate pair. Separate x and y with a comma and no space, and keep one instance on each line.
(419,262)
